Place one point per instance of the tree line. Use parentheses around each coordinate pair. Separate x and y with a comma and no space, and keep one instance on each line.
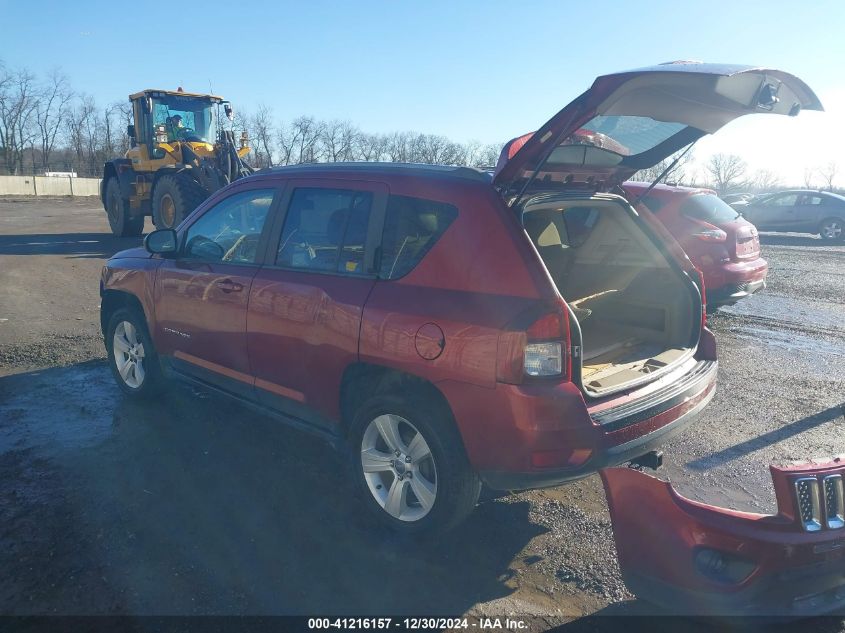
(45,125)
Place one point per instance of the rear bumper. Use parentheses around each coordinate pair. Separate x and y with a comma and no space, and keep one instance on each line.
(733,281)
(622,432)
(732,293)
(786,571)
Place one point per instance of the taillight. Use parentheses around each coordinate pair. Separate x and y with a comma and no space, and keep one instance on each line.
(537,348)
(711,235)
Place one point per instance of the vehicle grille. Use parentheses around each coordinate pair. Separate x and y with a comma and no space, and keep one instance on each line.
(820,502)
(833,493)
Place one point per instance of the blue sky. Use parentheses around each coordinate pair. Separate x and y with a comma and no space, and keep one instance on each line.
(485,71)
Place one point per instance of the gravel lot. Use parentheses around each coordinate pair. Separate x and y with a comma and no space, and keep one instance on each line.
(195,506)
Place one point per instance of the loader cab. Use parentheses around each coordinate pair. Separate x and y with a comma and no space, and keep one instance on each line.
(154,111)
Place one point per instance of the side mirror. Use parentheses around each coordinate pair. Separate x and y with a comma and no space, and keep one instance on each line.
(162,242)
(230,113)
(130,131)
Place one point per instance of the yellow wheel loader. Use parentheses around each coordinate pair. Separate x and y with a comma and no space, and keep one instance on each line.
(179,155)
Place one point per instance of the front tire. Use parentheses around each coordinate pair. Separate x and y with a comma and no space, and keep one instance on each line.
(409,465)
(832,229)
(132,357)
(174,197)
(122,224)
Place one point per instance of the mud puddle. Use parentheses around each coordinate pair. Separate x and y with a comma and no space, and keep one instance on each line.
(817,317)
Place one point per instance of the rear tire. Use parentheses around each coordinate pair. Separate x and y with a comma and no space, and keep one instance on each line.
(174,197)
(430,487)
(131,355)
(122,224)
(832,229)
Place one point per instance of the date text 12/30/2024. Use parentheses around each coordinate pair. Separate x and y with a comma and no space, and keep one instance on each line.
(417,624)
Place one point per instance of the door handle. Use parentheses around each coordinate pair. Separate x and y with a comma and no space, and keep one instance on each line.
(227,285)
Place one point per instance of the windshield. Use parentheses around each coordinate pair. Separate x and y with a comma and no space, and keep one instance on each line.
(186,118)
(709,208)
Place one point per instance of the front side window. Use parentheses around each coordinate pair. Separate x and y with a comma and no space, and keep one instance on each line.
(411,228)
(709,208)
(326,230)
(230,230)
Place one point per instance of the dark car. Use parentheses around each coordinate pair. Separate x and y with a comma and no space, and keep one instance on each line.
(443,327)
(799,211)
(721,244)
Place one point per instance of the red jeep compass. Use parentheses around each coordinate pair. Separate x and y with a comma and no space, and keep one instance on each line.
(447,328)
(723,245)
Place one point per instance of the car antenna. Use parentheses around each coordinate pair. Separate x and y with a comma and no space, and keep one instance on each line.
(663,174)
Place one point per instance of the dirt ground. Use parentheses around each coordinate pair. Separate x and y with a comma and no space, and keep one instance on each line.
(193,505)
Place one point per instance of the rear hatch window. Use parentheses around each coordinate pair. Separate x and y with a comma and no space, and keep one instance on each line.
(707,207)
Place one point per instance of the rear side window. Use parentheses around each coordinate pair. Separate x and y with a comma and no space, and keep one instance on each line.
(708,208)
(325,230)
(411,227)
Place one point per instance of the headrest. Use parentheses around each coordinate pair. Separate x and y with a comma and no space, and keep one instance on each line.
(337,226)
(542,229)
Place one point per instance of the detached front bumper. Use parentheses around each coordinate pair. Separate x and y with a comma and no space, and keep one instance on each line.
(699,559)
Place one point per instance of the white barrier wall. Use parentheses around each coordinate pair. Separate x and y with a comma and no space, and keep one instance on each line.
(85,186)
(17,186)
(48,186)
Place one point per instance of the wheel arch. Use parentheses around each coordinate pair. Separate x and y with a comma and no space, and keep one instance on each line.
(361,380)
(109,171)
(113,300)
(120,168)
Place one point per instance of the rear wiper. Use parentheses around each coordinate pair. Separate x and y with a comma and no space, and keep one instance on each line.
(663,174)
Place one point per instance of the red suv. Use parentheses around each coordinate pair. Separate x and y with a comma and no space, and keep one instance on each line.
(724,246)
(445,327)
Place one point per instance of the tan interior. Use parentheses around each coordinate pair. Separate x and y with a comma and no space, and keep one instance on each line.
(635,311)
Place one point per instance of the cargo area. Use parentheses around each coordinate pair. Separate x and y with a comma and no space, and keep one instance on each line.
(637,313)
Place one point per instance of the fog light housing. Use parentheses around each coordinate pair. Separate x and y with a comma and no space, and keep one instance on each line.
(723,567)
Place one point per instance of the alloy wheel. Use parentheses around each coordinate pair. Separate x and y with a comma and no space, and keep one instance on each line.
(832,230)
(128,353)
(399,468)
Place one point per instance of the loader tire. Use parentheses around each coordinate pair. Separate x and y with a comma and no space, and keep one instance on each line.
(122,224)
(174,197)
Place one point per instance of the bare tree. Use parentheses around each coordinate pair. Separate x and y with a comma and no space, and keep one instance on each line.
(50,113)
(298,142)
(680,172)
(80,125)
(337,140)
(828,173)
(765,180)
(370,147)
(727,172)
(399,148)
(482,156)
(262,132)
(809,172)
(18,104)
